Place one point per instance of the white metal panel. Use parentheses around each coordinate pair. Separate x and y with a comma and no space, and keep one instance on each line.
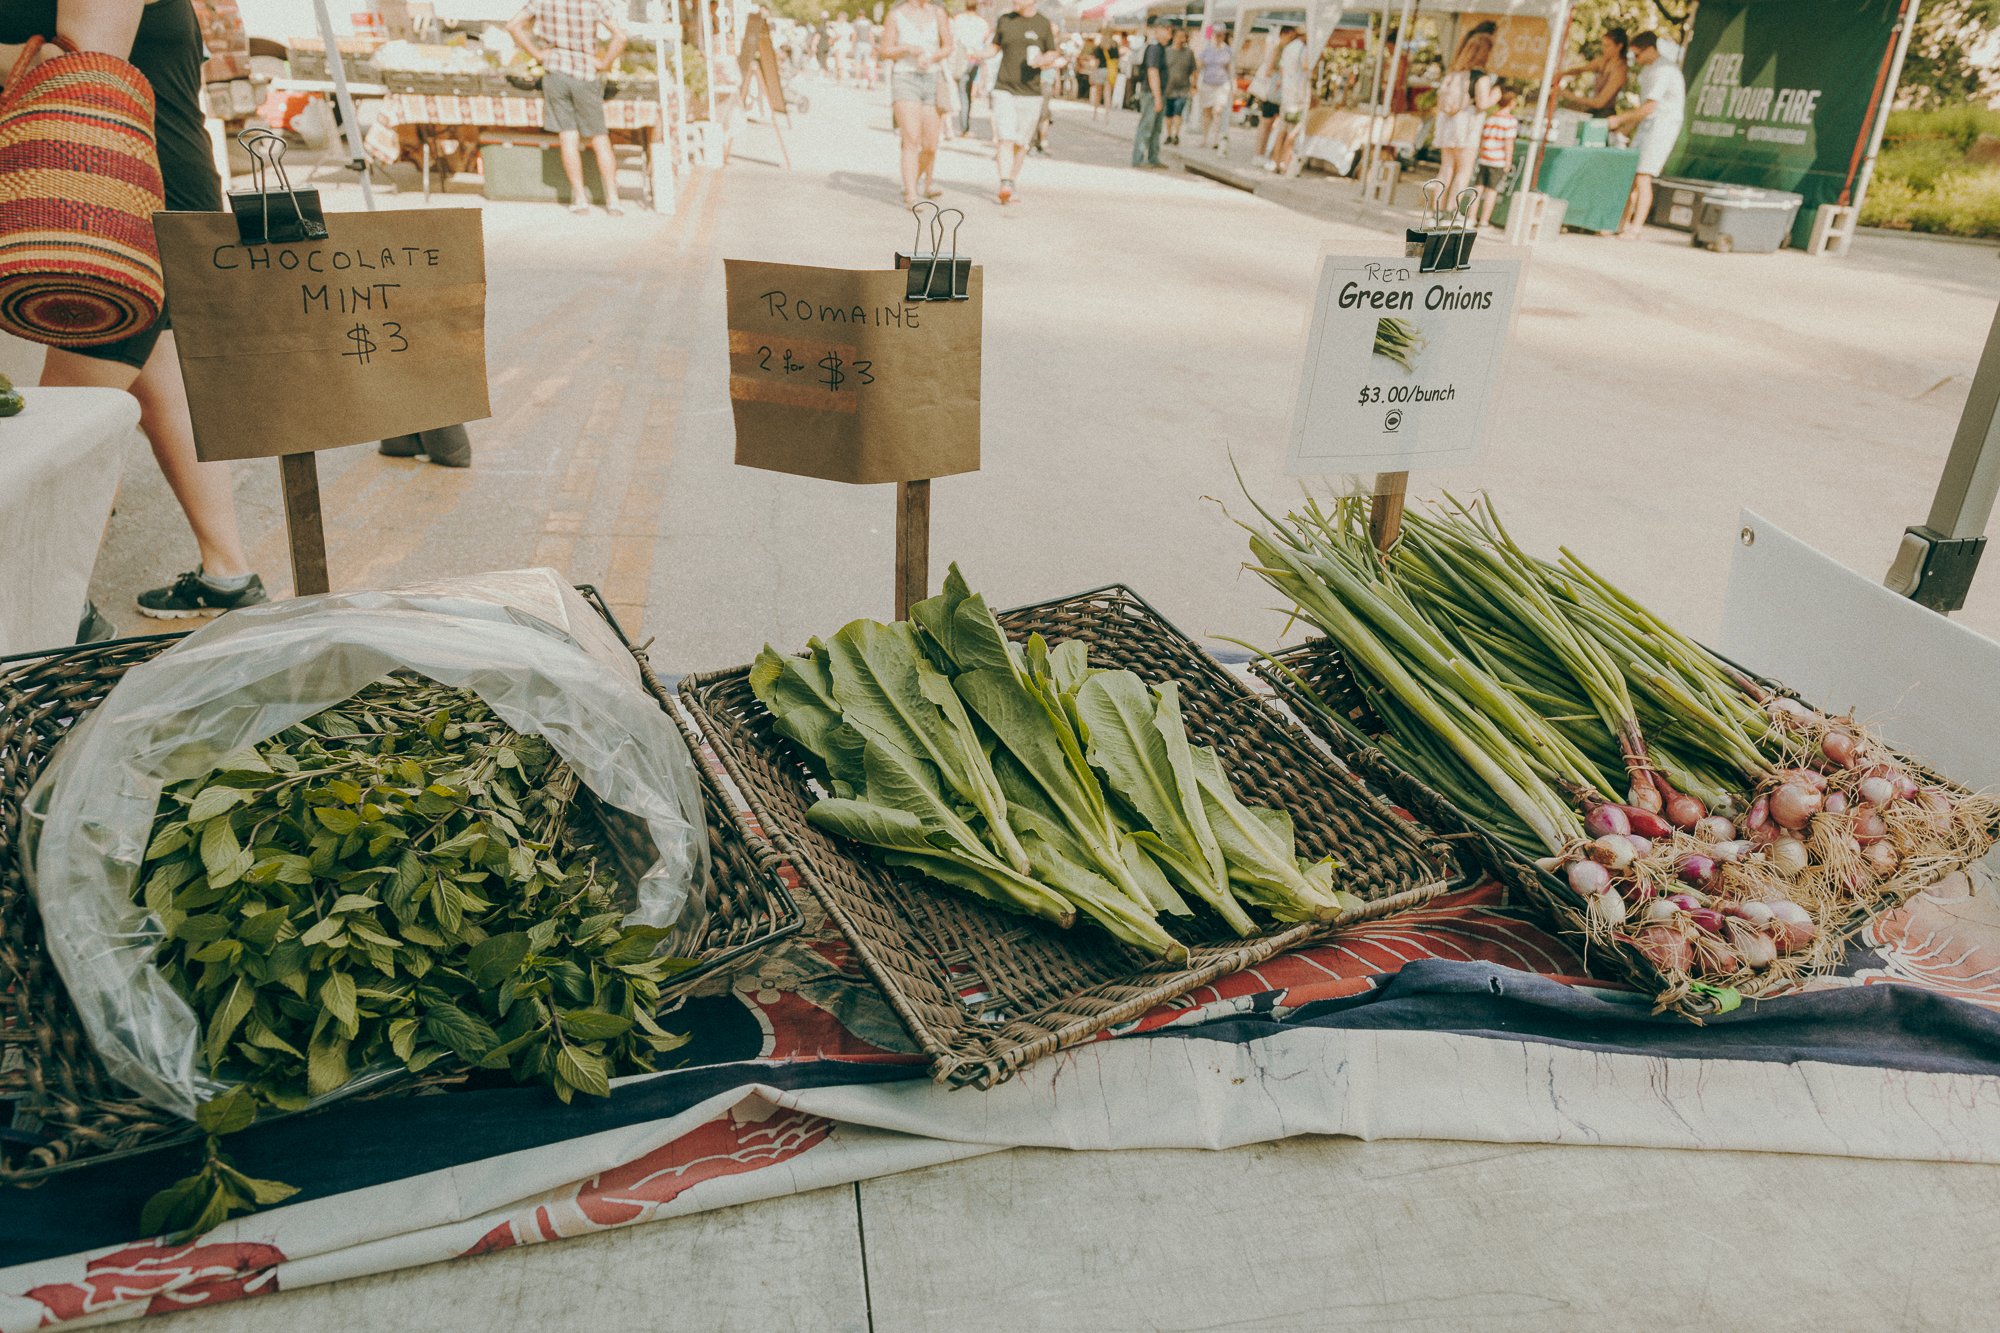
(1844,641)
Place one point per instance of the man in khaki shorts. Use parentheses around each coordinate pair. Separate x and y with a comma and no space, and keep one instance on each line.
(1026,44)
(562,35)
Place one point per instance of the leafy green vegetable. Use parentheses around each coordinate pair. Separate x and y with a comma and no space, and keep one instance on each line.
(400,881)
(1021,775)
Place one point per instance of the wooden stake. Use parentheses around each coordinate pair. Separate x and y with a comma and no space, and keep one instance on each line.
(1385,511)
(302,524)
(913,545)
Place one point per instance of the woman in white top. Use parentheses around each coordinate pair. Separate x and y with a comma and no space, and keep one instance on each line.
(1294,94)
(916,40)
(1463,100)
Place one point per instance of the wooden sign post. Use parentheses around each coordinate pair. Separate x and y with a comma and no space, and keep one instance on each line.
(299,331)
(856,375)
(758,59)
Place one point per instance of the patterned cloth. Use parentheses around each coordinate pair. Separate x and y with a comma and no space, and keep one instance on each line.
(568,33)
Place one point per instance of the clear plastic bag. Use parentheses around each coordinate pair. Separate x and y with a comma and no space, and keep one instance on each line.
(524,641)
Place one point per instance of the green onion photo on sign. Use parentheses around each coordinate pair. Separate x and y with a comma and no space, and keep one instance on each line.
(1782,94)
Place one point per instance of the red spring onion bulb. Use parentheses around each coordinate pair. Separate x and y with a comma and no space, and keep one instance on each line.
(1643,796)
(1608,910)
(1640,846)
(1732,852)
(1666,948)
(1647,823)
(1705,918)
(1760,814)
(1792,805)
(1612,851)
(1755,948)
(1687,902)
(1784,909)
(1754,912)
(1877,791)
(1589,878)
(1697,870)
(1789,855)
(1604,819)
(1685,811)
(1714,829)
(1661,909)
(1836,803)
(1839,748)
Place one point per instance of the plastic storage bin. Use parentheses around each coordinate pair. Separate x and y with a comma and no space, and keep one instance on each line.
(1746,220)
(1677,203)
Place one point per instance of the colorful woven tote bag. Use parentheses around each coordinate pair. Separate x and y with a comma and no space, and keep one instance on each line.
(79,184)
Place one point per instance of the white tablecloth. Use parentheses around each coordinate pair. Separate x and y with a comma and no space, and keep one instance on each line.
(59,465)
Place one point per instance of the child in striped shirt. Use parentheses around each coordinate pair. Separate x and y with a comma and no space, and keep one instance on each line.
(1496,152)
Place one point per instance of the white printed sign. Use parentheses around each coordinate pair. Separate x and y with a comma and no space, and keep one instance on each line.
(1401,366)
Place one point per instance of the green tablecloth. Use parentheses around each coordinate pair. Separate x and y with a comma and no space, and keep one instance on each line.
(1595,181)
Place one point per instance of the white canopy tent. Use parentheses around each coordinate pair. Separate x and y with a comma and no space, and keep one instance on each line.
(1321,16)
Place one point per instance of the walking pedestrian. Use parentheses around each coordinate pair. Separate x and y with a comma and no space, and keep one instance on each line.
(1098,62)
(917,42)
(563,36)
(163,40)
(970,34)
(1024,43)
(864,51)
(1496,153)
(1463,99)
(1264,92)
(1217,95)
(1294,92)
(1654,125)
(1179,84)
(1152,99)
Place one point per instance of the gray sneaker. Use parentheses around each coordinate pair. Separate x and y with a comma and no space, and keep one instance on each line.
(193,595)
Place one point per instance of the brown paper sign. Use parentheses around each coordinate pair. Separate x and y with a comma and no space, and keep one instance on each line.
(834,374)
(378,330)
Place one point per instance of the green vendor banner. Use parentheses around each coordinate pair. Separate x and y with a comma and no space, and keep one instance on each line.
(1782,94)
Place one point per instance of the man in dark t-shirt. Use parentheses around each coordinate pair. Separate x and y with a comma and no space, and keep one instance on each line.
(1026,44)
(1152,99)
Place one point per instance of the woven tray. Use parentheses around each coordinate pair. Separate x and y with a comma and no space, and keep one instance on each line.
(58,1108)
(1324,671)
(986,991)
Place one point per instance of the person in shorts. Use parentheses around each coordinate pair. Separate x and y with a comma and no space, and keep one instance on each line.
(563,36)
(1217,86)
(163,40)
(1496,153)
(1025,43)
(1180,83)
(1654,125)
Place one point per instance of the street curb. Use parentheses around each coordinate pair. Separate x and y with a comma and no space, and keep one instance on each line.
(1904,234)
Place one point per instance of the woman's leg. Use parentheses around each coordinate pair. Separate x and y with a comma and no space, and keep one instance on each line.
(929,131)
(911,144)
(205,491)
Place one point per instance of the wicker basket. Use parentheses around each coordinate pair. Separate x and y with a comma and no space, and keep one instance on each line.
(62,1109)
(1319,664)
(986,991)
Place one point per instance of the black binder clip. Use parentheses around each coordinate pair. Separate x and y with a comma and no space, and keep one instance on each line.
(936,276)
(1444,245)
(267,216)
